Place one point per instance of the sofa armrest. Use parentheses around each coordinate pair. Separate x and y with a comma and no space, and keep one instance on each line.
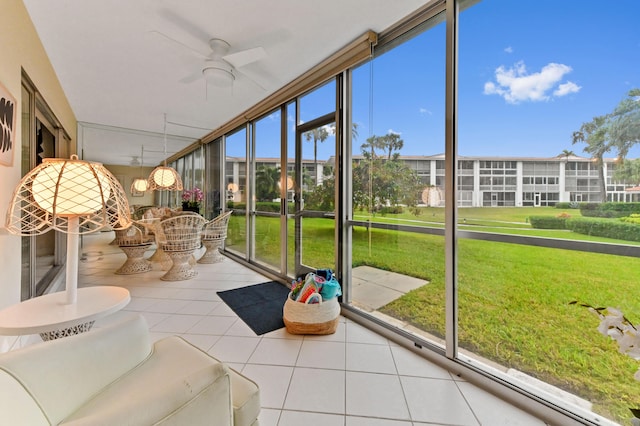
(17,407)
(61,375)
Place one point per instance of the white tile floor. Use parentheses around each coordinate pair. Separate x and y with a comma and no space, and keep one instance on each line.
(351,378)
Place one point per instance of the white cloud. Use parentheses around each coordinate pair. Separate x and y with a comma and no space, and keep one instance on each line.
(424,111)
(566,88)
(516,85)
(393,132)
(508,49)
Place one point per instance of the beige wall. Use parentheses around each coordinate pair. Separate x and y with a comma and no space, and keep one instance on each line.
(21,49)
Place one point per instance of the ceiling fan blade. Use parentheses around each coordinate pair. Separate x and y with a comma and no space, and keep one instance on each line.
(185,25)
(180,44)
(191,77)
(244,57)
(251,79)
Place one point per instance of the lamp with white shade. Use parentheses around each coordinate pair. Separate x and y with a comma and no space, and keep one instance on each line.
(140,184)
(75,197)
(72,196)
(164,177)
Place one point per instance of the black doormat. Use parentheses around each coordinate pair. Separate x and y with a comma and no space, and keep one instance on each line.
(258,305)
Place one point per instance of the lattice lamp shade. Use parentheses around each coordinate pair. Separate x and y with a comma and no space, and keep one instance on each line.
(62,189)
(166,178)
(139,185)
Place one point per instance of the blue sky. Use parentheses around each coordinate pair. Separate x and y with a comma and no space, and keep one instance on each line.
(530,73)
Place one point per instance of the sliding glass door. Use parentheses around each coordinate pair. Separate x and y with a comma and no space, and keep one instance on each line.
(314,185)
(236,173)
(265,214)
(42,137)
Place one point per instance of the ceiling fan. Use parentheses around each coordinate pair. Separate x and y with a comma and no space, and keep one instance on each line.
(220,68)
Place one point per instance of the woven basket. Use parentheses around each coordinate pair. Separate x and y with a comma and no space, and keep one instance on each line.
(319,318)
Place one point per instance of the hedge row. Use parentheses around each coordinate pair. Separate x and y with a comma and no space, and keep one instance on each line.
(607,228)
(548,222)
(624,229)
(609,209)
(261,206)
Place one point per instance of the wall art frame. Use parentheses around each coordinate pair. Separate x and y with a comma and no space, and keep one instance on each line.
(8,114)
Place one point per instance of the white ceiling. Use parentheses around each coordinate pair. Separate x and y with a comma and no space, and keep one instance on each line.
(121,74)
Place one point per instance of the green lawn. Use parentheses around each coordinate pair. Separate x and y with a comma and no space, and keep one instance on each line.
(513,299)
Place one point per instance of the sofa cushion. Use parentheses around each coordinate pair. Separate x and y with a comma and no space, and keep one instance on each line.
(61,375)
(200,398)
(174,374)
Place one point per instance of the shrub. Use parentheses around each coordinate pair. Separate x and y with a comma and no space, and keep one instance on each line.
(547,222)
(268,206)
(609,209)
(236,206)
(605,228)
(634,218)
(589,209)
(391,210)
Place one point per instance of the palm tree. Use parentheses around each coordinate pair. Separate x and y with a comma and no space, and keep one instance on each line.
(392,142)
(267,179)
(595,135)
(625,123)
(319,134)
(566,153)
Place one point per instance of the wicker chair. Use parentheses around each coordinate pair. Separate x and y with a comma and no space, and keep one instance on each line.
(133,241)
(181,238)
(159,259)
(213,235)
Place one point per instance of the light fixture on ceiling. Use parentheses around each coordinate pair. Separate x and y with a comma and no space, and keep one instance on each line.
(71,196)
(163,177)
(218,73)
(140,184)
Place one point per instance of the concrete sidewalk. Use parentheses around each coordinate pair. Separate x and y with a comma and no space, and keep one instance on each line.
(373,288)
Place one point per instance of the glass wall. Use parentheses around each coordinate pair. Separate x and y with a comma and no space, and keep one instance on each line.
(213,163)
(492,289)
(398,251)
(268,195)
(524,90)
(235,181)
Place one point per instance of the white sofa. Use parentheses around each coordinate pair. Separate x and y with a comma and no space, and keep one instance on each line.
(115,376)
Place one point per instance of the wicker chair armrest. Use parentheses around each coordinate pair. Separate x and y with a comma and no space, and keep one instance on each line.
(132,236)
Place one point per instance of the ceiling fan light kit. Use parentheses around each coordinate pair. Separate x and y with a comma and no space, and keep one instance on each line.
(220,68)
(218,73)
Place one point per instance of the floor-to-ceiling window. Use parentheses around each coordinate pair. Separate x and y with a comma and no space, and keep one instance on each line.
(267,181)
(524,90)
(215,196)
(235,183)
(398,216)
(494,299)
